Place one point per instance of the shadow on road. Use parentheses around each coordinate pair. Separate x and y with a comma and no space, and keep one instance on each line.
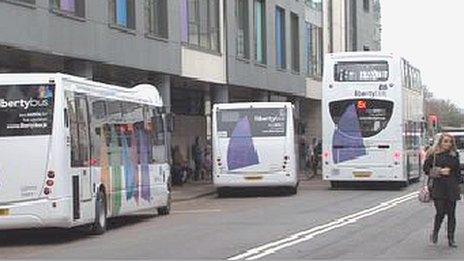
(56,236)
(254,192)
(366,185)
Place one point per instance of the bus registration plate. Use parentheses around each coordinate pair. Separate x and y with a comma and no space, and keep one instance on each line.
(362,174)
(4,212)
(253,178)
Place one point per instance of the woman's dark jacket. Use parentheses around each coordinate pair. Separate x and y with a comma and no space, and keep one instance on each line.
(444,187)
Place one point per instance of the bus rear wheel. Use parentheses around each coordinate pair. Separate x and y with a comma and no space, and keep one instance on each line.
(99,226)
(163,211)
(293,190)
(335,184)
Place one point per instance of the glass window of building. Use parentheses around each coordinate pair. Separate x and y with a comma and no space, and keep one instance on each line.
(280,38)
(260,31)
(72,7)
(295,36)
(123,13)
(203,24)
(242,35)
(157,15)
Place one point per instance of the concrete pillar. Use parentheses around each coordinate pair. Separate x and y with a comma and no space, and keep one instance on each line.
(208,108)
(220,94)
(79,68)
(164,88)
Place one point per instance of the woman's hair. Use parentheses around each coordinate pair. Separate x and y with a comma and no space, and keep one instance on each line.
(437,148)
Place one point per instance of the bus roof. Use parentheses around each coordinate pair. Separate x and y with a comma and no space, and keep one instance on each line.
(242,105)
(143,93)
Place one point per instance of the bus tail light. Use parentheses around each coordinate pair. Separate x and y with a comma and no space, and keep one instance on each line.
(51,174)
(397,157)
(326,155)
(49,182)
(219,162)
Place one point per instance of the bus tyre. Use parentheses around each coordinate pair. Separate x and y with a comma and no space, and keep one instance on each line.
(163,211)
(99,226)
(335,184)
(221,192)
(293,190)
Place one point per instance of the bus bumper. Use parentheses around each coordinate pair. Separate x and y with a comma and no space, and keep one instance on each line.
(36,214)
(259,180)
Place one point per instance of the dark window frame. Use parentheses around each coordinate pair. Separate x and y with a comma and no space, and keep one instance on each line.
(283,41)
(205,25)
(242,23)
(79,12)
(157,18)
(260,60)
(131,22)
(295,42)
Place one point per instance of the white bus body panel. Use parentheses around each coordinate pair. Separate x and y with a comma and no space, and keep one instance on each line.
(24,165)
(271,152)
(384,158)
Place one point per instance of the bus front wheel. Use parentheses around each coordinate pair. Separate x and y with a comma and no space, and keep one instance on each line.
(99,226)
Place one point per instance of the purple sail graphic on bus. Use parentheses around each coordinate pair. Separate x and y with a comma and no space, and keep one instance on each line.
(128,168)
(241,151)
(347,139)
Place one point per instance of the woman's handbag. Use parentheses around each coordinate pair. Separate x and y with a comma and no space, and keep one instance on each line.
(424,192)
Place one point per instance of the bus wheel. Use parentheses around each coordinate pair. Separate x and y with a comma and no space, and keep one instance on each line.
(335,184)
(99,226)
(293,190)
(163,211)
(221,192)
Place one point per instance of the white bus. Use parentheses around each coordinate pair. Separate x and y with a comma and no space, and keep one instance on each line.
(254,146)
(76,152)
(373,118)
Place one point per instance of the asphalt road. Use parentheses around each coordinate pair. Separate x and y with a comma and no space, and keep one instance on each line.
(318,223)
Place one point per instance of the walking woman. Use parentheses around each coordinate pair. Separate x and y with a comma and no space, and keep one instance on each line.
(442,166)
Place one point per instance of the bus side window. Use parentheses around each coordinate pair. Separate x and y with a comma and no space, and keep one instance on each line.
(66,118)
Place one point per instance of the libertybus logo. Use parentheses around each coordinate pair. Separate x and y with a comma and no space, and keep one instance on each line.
(371,94)
(25,104)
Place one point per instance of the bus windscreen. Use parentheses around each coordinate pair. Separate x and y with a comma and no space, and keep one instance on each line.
(26,110)
(372,71)
(361,117)
(254,122)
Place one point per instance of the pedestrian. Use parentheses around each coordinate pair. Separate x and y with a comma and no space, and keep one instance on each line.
(442,167)
(197,154)
(317,154)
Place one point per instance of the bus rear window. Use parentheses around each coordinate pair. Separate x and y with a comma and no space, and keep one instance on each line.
(361,117)
(26,110)
(373,71)
(254,122)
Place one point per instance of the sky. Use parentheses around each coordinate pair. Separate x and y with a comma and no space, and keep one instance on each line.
(430,34)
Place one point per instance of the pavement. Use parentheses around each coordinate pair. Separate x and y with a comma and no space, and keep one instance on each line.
(192,190)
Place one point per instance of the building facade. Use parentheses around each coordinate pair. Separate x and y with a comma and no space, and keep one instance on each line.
(197,52)
(352,25)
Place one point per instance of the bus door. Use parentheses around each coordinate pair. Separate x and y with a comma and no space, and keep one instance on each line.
(79,144)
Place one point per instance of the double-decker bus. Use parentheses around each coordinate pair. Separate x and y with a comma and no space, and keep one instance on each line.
(373,118)
(254,146)
(76,152)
